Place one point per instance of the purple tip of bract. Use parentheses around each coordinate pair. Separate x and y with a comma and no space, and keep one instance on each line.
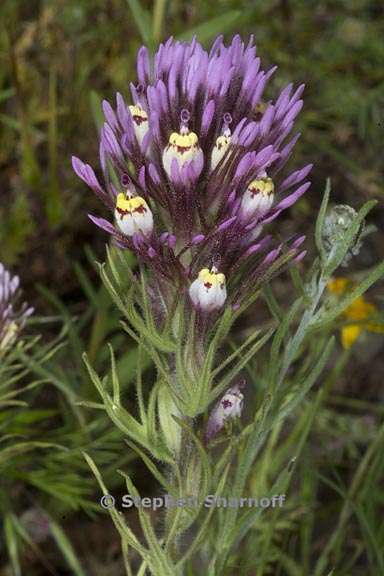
(292,198)
(110,142)
(207,118)
(226,224)
(271,257)
(87,175)
(103,224)
(300,256)
(152,252)
(143,65)
(142,177)
(249,133)
(244,165)
(110,115)
(172,241)
(298,242)
(253,249)
(146,142)
(295,177)
(29,311)
(287,202)
(137,240)
(197,239)
(154,174)
(293,113)
(264,156)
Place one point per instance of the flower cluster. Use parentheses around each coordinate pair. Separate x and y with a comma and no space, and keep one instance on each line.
(12,319)
(198,158)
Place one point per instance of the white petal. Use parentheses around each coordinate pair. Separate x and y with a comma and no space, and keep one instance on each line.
(141,130)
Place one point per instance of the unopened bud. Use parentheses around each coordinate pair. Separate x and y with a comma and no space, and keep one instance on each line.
(336,224)
(230,406)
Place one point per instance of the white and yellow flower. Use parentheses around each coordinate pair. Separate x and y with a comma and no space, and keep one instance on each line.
(140,122)
(220,148)
(258,198)
(184,147)
(133,215)
(208,292)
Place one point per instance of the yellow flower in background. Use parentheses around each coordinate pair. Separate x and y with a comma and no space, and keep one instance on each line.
(360,311)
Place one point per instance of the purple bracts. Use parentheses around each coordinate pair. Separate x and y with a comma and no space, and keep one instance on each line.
(12,318)
(198,145)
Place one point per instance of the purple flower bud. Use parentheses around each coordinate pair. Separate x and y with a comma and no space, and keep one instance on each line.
(197,239)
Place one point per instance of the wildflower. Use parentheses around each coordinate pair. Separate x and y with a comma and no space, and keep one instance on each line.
(140,121)
(133,215)
(222,143)
(12,319)
(183,151)
(359,314)
(202,150)
(258,197)
(208,291)
(229,406)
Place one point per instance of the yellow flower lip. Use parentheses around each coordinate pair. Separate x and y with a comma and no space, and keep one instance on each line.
(130,204)
(263,186)
(138,114)
(183,141)
(212,278)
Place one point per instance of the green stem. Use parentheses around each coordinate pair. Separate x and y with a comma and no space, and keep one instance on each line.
(158,19)
(178,478)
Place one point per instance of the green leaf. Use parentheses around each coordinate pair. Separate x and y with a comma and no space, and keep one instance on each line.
(118,519)
(119,416)
(239,365)
(213,27)
(142,19)
(153,469)
(158,560)
(278,339)
(12,545)
(24,447)
(95,101)
(66,548)
(320,221)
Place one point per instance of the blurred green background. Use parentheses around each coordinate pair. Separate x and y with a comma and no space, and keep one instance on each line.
(59,59)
